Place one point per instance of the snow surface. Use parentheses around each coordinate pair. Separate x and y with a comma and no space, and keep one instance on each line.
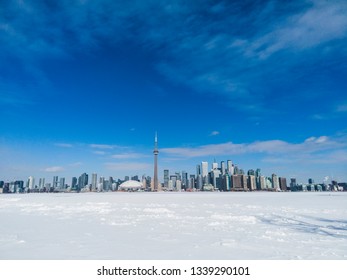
(256,225)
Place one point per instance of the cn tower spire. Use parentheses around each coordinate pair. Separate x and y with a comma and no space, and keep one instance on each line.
(155,152)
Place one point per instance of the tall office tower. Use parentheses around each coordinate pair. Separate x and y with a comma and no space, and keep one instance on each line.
(166,178)
(214,176)
(82,181)
(144,182)
(214,165)
(222,167)
(236,170)
(251,183)
(292,183)
(73,183)
(282,183)
(204,172)
(198,170)
(257,178)
(173,179)
(310,181)
(101,186)
(62,183)
(251,172)
(199,182)
(184,179)
(55,182)
(226,182)
(178,185)
(204,168)
(230,167)
(156,152)
(41,183)
(244,180)
(192,182)
(262,183)
(135,178)
(31,183)
(94,181)
(236,183)
(275,183)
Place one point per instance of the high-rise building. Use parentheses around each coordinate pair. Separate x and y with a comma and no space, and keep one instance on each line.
(222,167)
(236,183)
(184,179)
(31,183)
(198,170)
(292,183)
(62,183)
(215,173)
(282,183)
(82,181)
(173,179)
(230,167)
(55,182)
(251,183)
(101,186)
(251,172)
(156,152)
(74,183)
(192,181)
(178,185)
(41,183)
(166,178)
(94,181)
(214,165)
(275,182)
(204,172)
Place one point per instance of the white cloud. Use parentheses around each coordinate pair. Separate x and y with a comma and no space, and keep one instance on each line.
(63,145)
(310,145)
(214,133)
(103,146)
(341,108)
(99,152)
(54,169)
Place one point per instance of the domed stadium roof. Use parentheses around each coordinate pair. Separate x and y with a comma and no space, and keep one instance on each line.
(131,184)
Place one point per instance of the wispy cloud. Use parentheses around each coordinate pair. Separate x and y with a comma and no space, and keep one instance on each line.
(204,46)
(342,108)
(271,147)
(103,146)
(64,145)
(214,133)
(54,169)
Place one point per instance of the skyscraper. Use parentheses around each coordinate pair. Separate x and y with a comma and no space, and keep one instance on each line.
(166,178)
(155,152)
(204,173)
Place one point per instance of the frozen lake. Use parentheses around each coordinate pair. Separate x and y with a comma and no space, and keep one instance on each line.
(174,226)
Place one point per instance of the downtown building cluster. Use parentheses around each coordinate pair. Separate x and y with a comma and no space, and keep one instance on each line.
(218,177)
(229,177)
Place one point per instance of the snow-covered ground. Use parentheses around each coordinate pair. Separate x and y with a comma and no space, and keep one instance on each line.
(174,226)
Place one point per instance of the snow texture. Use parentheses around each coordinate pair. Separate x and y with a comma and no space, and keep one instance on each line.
(210,226)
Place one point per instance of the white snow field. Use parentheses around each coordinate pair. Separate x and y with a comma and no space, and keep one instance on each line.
(210,226)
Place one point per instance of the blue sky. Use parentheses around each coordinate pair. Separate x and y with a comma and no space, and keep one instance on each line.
(84,85)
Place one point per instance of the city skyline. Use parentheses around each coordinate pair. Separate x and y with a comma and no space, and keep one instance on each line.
(84,86)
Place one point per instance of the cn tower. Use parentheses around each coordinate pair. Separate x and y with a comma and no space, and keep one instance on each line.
(155,152)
